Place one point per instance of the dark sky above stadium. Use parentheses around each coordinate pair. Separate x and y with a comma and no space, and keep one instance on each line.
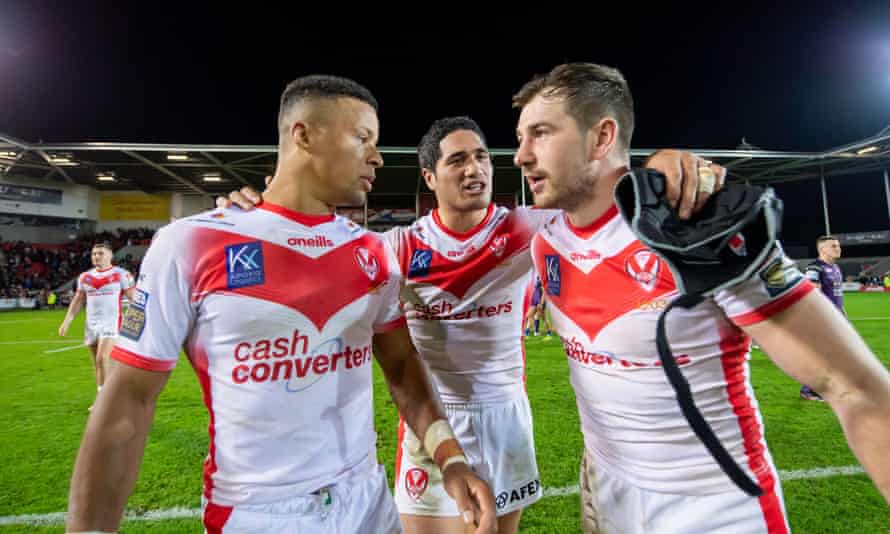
(784,75)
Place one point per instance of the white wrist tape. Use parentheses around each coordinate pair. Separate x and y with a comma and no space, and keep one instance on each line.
(460,458)
(436,433)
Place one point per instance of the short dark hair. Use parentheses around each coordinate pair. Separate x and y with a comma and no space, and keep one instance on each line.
(591,92)
(823,238)
(429,150)
(103,244)
(322,86)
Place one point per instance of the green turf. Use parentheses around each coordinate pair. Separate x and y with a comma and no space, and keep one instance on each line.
(44,397)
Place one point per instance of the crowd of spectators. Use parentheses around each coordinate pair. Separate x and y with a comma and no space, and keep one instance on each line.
(34,269)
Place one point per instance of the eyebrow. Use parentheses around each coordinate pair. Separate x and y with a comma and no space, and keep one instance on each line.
(534,125)
(462,153)
(369,131)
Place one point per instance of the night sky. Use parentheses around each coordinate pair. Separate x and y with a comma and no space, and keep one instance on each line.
(784,75)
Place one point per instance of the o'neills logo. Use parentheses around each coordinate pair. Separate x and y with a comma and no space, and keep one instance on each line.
(318,241)
(589,255)
(283,358)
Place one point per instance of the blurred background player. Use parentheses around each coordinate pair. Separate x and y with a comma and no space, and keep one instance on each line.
(102,288)
(537,310)
(825,274)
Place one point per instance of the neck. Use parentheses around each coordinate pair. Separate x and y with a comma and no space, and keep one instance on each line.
(826,259)
(600,198)
(461,221)
(292,189)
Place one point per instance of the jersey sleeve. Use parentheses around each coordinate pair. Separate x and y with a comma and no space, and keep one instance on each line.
(771,289)
(390,315)
(126,280)
(398,239)
(161,314)
(536,218)
(814,273)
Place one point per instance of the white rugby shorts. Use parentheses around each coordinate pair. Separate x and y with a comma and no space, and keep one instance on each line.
(498,440)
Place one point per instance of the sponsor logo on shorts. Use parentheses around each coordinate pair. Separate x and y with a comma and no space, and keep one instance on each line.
(244,265)
(519,494)
(420,263)
(416,482)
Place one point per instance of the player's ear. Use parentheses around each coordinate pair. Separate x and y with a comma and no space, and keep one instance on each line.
(430,178)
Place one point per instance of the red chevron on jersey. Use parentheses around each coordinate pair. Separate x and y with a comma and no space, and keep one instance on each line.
(97,282)
(343,274)
(623,282)
(469,285)
(607,292)
(464,268)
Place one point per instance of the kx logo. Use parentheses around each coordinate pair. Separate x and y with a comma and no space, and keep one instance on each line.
(244,265)
(551,262)
(243,257)
(420,263)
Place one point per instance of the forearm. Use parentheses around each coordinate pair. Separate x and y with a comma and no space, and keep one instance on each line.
(108,462)
(73,309)
(864,418)
(413,395)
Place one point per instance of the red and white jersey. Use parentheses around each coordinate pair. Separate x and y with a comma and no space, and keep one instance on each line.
(104,290)
(275,310)
(469,289)
(606,291)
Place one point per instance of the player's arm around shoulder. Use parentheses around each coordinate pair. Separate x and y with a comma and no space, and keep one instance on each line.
(416,400)
(813,343)
(108,461)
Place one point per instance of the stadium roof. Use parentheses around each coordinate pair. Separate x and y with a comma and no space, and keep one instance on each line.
(214,169)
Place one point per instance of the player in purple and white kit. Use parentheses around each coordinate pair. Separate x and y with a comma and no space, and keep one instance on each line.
(537,309)
(825,274)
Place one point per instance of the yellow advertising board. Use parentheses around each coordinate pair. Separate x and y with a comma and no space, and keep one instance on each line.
(134,207)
